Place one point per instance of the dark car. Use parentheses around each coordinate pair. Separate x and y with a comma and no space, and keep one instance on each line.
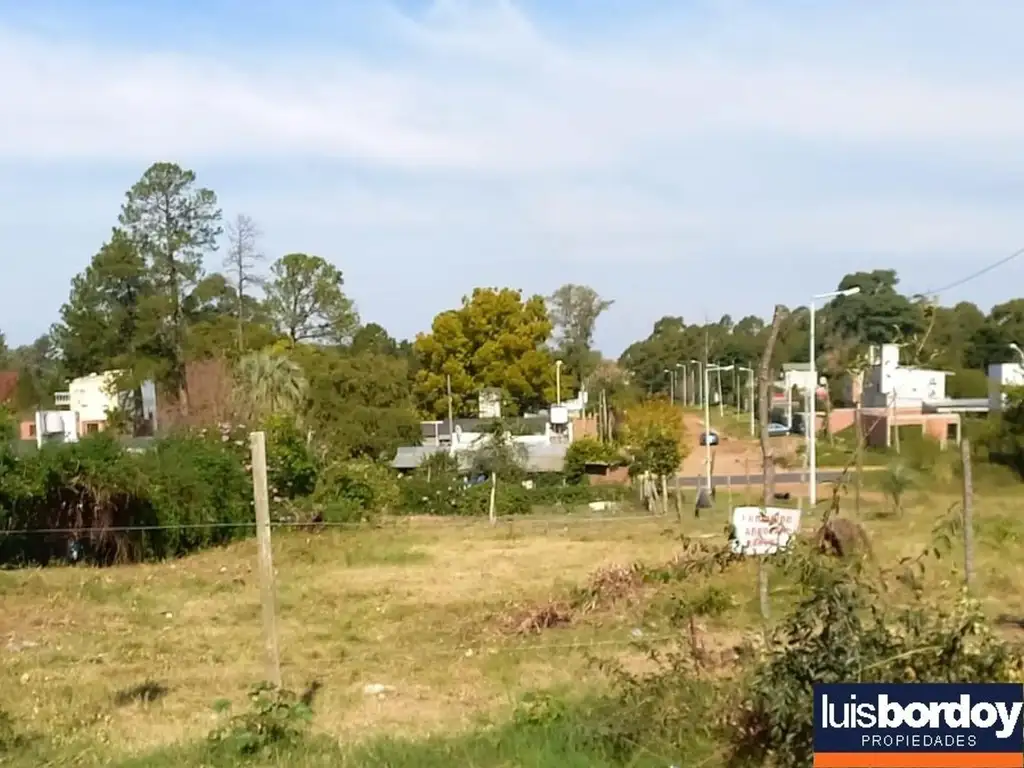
(709,438)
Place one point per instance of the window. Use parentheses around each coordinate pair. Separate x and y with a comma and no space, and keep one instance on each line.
(92,428)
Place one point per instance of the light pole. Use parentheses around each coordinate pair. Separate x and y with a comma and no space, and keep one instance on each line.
(683,366)
(750,385)
(707,429)
(812,421)
(718,369)
(700,393)
(671,385)
(1018,350)
(558,381)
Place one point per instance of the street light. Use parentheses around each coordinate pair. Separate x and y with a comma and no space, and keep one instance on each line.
(671,385)
(812,425)
(1018,350)
(699,394)
(558,381)
(683,398)
(750,384)
(718,369)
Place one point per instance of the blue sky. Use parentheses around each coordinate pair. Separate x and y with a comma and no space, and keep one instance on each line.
(694,157)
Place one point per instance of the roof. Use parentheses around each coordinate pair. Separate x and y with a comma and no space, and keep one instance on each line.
(8,385)
(525,425)
(539,458)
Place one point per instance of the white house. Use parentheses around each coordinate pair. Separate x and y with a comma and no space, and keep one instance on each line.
(92,397)
(887,384)
(1000,376)
(796,375)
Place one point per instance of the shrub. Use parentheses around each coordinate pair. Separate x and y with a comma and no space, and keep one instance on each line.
(276,718)
(85,494)
(848,623)
(356,490)
(587,451)
(291,466)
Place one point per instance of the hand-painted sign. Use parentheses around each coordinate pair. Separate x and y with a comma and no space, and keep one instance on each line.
(762,530)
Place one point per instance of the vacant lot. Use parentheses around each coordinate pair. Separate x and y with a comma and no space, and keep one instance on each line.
(427,608)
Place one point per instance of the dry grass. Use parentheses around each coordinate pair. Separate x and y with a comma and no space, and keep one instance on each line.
(421,607)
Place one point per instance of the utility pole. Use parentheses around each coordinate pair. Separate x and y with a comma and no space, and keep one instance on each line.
(812,426)
(707,417)
(451,415)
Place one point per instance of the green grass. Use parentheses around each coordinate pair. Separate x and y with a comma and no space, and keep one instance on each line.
(561,745)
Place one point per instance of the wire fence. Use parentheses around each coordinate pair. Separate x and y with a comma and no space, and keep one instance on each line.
(384,523)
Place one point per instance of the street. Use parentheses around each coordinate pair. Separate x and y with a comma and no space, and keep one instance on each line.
(824,476)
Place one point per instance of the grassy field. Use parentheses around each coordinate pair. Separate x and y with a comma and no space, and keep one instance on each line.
(127,663)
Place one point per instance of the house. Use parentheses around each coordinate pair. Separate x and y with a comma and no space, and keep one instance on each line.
(92,398)
(540,457)
(796,376)
(887,384)
(1001,376)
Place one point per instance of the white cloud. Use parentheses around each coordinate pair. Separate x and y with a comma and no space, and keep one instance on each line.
(477,87)
(701,142)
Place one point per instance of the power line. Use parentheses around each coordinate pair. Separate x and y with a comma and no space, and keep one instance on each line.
(974,275)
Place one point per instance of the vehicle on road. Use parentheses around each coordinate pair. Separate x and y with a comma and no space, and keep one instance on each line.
(709,438)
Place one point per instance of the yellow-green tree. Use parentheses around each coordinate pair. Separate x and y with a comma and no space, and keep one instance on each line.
(495,339)
(651,418)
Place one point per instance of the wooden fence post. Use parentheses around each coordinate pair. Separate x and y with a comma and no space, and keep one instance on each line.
(261,497)
(968,513)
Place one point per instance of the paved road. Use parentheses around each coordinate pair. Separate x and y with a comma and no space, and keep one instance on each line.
(824,476)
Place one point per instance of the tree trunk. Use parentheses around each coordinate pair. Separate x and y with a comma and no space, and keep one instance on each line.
(764,384)
(664,494)
(859,426)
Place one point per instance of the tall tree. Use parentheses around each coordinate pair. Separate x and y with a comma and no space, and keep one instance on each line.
(575,310)
(109,319)
(359,405)
(4,352)
(173,223)
(240,261)
(496,339)
(879,314)
(306,300)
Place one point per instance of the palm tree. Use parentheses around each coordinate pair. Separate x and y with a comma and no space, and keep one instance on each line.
(267,383)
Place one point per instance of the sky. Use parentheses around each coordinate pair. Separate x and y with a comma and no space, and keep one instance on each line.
(686,157)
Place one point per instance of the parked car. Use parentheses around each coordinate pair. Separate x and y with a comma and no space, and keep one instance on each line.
(709,438)
(777,429)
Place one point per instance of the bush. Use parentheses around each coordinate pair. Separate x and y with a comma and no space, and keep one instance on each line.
(848,623)
(291,466)
(275,719)
(356,490)
(587,451)
(84,494)
(450,496)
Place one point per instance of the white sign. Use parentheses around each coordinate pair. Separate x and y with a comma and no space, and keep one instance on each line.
(762,530)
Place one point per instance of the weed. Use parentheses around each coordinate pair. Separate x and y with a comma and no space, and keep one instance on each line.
(276,718)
